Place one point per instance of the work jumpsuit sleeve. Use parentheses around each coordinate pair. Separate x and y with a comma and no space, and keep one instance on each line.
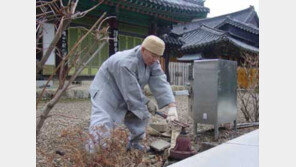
(159,86)
(131,91)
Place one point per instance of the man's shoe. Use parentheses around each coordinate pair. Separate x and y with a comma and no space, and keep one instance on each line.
(137,146)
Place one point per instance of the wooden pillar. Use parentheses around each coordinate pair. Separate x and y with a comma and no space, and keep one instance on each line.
(153,28)
(166,62)
(113,33)
(62,51)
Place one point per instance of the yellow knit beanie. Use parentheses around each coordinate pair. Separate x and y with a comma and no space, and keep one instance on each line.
(154,44)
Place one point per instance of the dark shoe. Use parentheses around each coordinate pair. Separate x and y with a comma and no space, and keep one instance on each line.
(137,146)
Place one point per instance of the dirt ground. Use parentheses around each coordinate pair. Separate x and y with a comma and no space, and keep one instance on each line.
(73,113)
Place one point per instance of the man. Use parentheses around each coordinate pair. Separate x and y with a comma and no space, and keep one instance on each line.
(117,91)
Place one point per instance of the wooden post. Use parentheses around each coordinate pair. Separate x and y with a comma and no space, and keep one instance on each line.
(63,48)
(153,28)
(113,29)
(166,62)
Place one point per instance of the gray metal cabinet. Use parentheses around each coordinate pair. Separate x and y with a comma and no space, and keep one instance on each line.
(214,89)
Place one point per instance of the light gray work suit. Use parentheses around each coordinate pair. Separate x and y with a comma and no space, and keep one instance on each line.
(117,96)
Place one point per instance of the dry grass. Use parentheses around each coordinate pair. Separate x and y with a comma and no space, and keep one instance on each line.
(73,153)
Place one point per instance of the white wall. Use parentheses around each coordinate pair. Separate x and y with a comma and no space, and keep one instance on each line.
(48,34)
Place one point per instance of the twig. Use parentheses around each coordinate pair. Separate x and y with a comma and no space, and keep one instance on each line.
(82,14)
(61,115)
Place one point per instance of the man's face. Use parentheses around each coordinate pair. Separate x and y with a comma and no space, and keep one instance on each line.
(148,57)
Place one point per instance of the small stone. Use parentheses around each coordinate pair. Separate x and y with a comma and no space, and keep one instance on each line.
(160,127)
(152,131)
(166,134)
(159,145)
(151,156)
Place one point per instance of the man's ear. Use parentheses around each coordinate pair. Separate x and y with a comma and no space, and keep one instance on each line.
(142,50)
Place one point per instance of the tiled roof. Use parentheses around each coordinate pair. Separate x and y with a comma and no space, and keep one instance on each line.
(180,5)
(240,16)
(245,26)
(243,45)
(168,8)
(205,36)
(171,40)
(200,36)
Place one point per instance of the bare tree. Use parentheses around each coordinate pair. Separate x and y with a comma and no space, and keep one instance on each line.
(55,11)
(77,59)
(248,89)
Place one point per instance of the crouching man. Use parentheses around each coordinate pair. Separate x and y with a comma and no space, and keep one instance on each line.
(117,91)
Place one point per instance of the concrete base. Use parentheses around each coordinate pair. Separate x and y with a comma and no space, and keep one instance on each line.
(78,91)
(74,92)
(41,83)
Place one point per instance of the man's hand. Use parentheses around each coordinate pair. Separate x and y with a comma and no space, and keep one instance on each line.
(172,114)
(152,108)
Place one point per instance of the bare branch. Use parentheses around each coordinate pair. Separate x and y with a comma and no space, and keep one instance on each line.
(44,14)
(73,6)
(60,115)
(64,22)
(61,3)
(82,14)
(44,3)
(51,46)
(82,38)
(248,94)
(84,64)
(62,88)
(52,102)
(110,17)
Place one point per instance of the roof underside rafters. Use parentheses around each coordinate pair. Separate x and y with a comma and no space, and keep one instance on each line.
(176,11)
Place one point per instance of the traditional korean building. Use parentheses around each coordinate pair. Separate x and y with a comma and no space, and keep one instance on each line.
(226,36)
(135,19)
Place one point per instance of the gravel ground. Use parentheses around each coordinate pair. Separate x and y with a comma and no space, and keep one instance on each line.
(69,113)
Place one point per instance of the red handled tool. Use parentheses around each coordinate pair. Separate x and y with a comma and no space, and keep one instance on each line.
(183,148)
(174,122)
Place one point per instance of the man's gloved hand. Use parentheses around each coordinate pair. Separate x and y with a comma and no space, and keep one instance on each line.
(172,114)
(152,108)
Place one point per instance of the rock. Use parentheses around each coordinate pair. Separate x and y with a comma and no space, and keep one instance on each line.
(166,134)
(159,145)
(151,156)
(160,126)
(152,131)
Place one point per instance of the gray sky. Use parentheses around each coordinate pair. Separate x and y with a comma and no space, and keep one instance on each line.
(220,7)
